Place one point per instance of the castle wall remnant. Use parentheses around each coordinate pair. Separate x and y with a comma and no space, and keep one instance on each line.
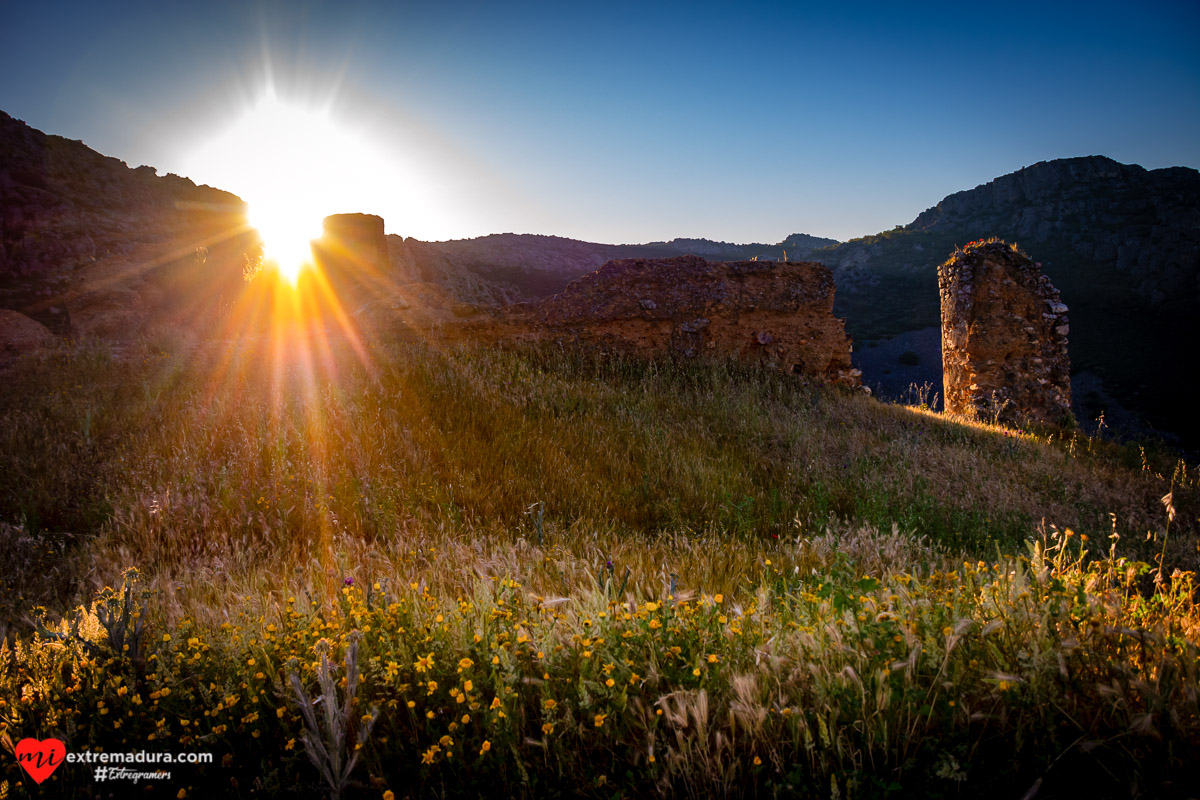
(776,313)
(1004,337)
(353,254)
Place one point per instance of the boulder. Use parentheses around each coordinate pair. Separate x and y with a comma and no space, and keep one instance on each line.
(20,334)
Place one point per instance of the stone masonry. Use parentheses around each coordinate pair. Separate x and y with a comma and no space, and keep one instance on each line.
(773,313)
(1004,337)
(353,254)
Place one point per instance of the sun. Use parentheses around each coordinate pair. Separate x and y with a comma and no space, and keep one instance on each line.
(294,165)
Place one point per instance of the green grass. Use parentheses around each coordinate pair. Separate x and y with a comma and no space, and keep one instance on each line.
(575,489)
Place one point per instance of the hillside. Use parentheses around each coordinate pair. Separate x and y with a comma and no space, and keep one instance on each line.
(1121,243)
(89,245)
(519,558)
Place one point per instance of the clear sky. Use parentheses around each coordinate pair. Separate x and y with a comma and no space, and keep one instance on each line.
(618,122)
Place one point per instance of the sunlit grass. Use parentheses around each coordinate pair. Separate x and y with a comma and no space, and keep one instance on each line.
(482,504)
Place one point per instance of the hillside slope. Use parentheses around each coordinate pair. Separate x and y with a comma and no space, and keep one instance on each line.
(533,551)
(83,235)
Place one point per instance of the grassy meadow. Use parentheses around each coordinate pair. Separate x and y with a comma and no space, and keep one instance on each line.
(530,572)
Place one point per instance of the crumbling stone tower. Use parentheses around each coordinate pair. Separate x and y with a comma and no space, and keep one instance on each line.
(353,254)
(1004,337)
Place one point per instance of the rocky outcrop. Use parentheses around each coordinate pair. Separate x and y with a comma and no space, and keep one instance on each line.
(73,220)
(774,313)
(20,334)
(1004,337)
(1145,221)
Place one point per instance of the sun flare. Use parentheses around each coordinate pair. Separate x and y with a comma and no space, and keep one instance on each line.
(294,165)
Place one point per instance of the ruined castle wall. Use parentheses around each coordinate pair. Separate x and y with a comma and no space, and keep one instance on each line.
(353,254)
(1004,337)
(778,314)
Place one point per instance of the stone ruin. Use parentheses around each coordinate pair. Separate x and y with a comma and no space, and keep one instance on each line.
(353,255)
(775,313)
(1004,337)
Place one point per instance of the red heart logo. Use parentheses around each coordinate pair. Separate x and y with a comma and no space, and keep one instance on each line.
(40,758)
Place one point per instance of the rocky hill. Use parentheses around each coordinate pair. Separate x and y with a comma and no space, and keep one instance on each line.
(89,245)
(1121,243)
(1146,222)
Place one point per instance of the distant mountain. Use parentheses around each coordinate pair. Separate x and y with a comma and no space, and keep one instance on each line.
(507,268)
(1120,242)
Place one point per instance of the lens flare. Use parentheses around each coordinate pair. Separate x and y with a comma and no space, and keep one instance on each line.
(294,165)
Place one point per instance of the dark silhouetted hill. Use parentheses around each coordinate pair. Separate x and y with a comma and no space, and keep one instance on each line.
(83,235)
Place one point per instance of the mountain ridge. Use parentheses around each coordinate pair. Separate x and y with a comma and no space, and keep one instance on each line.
(503,268)
(83,234)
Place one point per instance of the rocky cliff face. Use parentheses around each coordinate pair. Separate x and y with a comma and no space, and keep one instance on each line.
(1145,221)
(777,314)
(1090,213)
(1004,337)
(89,245)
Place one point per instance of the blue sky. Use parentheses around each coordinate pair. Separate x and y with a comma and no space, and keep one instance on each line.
(631,122)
